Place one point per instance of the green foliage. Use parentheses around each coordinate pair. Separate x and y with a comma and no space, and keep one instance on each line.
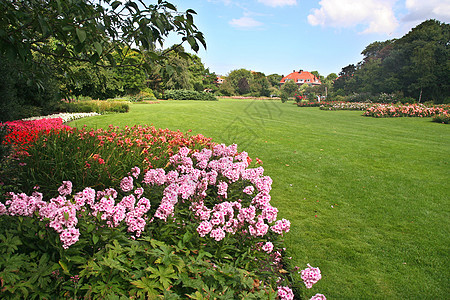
(25,92)
(416,65)
(146,95)
(91,30)
(188,95)
(288,89)
(98,106)
(442,118)
(4,149)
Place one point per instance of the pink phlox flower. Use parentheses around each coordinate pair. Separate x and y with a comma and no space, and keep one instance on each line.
(143,205)
(184,151)
(60,200)
(22,205)
(69,237)
(261,227)
(65,189)
(270,213)
(204,228)
(89,195)
(281,226)
(261,200)
(172,176)
(212,177)
(135,172)
(3,210)
(218,234)
(219,150)
(126,184)
(231,150)
(310,276)
(128,202)
(242,157)
(249,190)
(318,297)
(202,155)
(222,189)
(268,247)
(202,164)
(164,210)
(119,214)
(138,192)
(285,293)
(107,192)
(247,214)
(156,176)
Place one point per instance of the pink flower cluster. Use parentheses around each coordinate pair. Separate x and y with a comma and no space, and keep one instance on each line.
(410,110)
(62,212)
(318,297)
(285,293)
(310,276)
(195,176)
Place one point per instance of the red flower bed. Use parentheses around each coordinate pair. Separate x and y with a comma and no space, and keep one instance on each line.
(22,133)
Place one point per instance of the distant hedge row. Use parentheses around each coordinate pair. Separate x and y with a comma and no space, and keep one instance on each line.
(97,106)
(188,95)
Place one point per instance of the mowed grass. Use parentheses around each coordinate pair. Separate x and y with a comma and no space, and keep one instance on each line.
(368,199)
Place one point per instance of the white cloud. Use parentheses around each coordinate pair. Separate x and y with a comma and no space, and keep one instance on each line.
(245,23)
(429,9)
(377,16)
(275,3)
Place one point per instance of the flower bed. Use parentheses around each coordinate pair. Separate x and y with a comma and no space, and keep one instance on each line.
(443,117)
(24,132)
(66,117)
(141,213)
(410,110)
(346,106)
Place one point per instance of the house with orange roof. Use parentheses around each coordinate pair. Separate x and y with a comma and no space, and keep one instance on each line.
(301,77)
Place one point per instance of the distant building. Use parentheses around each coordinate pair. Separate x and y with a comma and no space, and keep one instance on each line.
(219,80)
(301,77)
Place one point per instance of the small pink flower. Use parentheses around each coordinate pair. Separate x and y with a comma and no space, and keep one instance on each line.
(126,184)
(268,247)
(310,276)
(285,293)
(318,297)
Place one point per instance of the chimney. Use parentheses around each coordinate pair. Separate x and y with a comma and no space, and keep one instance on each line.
(300,71)
(293,71)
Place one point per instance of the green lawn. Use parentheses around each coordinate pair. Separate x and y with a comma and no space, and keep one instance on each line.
(368,199)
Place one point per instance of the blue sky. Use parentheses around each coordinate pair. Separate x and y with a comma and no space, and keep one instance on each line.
(278,36)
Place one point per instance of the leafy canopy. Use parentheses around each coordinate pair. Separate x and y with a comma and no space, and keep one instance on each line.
(91,30)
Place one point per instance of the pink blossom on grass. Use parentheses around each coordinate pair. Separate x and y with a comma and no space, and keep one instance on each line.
(318,297)
(310,276)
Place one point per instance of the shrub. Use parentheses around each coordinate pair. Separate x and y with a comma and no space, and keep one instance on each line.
(412,110)
(188,95)
(345,106)
(107,229)
(98,106)
(443,118)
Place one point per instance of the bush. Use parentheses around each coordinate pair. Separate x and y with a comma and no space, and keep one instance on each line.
(146,95)
(98,106)
(443,118)
(188,95)
(109,231)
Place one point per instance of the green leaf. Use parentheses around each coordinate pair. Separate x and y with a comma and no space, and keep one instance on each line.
(98,47)
(81,35)
(64,267)
(115,4)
